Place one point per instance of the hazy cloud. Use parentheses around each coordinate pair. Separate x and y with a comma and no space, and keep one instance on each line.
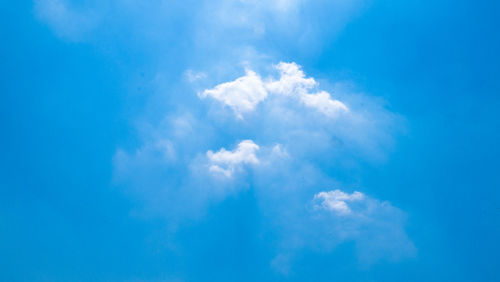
(67,21)
(376,227)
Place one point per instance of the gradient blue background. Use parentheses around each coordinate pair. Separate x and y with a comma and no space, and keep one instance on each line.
(67,106)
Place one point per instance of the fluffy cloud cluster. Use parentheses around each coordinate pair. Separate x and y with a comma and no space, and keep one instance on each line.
(246,92)
(295,134)
(226,162)
(285,137)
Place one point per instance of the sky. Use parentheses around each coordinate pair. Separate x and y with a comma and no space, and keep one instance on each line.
(249,140)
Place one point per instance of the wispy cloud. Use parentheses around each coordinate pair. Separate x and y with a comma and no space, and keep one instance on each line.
(67,21)
(335,217)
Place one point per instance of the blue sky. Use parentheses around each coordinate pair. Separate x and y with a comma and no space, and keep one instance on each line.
(284,140)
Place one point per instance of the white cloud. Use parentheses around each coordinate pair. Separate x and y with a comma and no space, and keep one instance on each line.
(337,201)
(324,103)
(226,162)
(242,95)
(292,80)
